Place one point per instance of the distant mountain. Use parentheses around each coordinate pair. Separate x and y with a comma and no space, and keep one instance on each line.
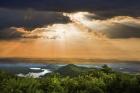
(52,67)
(73,70)
(17,70)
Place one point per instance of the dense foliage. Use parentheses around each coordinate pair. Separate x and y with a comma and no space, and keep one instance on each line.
(97,81)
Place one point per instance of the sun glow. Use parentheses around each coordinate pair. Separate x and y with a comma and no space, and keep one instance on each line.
(62,32)
(79,17)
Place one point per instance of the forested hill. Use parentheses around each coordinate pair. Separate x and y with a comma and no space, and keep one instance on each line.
(102,80)
(73,70)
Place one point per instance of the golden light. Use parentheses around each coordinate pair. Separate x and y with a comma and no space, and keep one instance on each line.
(62,32)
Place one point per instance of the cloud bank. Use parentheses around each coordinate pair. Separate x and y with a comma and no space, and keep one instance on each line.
(29,19)
(32,23)
(118,27)
(104,8)
(115,27)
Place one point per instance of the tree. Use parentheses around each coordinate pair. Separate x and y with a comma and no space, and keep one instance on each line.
(106,69)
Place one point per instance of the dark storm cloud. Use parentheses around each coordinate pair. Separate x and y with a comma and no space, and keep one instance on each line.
(118,27)
(30,19)
(10,33)
(11,20)
(104,8)
(122,31)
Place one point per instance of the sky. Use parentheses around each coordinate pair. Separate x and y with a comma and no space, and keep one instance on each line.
(95,29)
